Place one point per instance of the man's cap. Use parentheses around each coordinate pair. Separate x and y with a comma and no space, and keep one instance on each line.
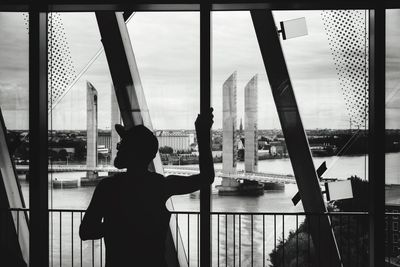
(139,137)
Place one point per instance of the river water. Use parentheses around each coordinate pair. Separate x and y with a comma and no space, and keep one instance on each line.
(338,167)
(258,234)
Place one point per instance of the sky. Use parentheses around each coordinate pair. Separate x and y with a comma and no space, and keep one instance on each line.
(166,47)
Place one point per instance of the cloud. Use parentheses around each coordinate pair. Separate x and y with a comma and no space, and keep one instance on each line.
(14,104)
(14,61)
(13,96)
(166,46)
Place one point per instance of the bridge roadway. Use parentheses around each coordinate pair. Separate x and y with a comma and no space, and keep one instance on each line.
(177,170)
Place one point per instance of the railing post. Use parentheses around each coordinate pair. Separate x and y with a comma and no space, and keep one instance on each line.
(205,103)
(376,153)
(38,186)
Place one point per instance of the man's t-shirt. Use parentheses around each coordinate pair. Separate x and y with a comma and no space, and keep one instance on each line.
(135,219)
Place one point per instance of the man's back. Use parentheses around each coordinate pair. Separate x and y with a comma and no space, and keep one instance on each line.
(135,219)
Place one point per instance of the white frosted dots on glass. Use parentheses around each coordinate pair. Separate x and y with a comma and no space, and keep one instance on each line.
(61,71)
(347,33)
(61,68)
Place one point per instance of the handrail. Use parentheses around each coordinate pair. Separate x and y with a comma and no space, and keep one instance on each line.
(239,237)
(231,212)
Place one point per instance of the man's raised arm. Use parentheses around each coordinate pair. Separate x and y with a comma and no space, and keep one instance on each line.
(178,185)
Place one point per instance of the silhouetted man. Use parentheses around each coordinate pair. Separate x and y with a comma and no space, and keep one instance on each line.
(129,210)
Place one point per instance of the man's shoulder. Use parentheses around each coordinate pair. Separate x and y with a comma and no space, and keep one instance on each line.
(115,179)
(154,176)
(158,175)
(109,180)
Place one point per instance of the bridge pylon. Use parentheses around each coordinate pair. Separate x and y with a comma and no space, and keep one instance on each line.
(91,124)
(229,136)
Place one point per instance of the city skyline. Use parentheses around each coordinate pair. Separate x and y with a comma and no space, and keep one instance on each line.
(166,47)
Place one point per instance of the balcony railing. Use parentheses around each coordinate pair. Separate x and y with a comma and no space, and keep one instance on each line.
(238,238)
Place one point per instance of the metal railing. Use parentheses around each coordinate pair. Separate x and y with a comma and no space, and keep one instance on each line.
(392,239)
(238,238)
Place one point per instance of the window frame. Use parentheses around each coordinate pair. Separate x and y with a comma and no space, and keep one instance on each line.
(38,125)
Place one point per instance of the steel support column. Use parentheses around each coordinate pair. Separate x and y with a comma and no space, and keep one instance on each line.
(205,103)
(376,153)
(38,184)
(327,253)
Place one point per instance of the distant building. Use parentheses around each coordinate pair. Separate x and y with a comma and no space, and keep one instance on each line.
(69,150)
(104,139)
(101,149)
(115,119)
(177,141)
(278,148)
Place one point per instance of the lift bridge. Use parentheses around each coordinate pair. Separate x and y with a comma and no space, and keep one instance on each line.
(175,170)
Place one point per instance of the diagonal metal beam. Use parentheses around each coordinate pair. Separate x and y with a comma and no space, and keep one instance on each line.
(131,100)
(14,245)
(327,253)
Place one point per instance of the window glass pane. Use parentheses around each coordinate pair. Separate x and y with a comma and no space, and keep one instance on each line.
(238,71)
(14,90)
(74,62)
(166,46)
(392,114)
(14,134)
(328,69)
(83,111)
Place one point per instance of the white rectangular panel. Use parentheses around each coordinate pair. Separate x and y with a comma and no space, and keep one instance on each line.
(294,28)
(340,190)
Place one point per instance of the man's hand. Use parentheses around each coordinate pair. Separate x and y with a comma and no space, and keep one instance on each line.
(203,125)
(204,121)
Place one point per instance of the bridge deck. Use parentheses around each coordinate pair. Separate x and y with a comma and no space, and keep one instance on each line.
(177,170)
